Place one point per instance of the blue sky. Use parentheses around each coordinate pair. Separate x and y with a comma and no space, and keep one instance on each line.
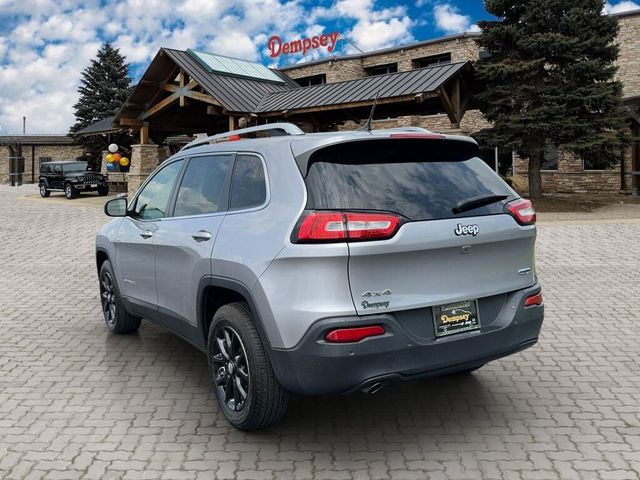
(45,44)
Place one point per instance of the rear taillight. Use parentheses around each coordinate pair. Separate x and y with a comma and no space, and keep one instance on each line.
(346,226)
(344,335)
(522,210)
(532,300)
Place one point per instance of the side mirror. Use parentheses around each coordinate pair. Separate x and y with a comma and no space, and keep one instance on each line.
(116,207)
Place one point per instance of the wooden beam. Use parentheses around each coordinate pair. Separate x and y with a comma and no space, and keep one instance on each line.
(340,106)
(182,79)
(455,99)
(214,110)
(162,104)
(203,97)
(144,133)
(233,123)
(130,122)
(449,108)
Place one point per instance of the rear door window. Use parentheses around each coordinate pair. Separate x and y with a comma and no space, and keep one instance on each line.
(419,179)
(248,186)
(203,185)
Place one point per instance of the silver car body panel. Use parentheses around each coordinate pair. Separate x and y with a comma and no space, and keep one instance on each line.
(294,286)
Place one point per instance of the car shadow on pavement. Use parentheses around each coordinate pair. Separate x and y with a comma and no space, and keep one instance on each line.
(442,406)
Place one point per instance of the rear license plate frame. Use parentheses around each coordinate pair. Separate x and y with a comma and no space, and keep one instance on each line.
(468,308)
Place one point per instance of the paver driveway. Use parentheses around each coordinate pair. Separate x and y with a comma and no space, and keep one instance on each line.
(78,402)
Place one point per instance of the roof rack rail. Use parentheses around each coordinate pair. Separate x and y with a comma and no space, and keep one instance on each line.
(282,128)
(403,129)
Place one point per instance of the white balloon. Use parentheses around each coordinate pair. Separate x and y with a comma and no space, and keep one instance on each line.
(113,148)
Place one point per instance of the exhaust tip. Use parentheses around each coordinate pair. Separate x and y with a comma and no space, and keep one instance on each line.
(371,389)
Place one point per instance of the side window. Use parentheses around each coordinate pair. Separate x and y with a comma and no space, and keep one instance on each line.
(248,186)
(57,169)
(152,201)
(202,187)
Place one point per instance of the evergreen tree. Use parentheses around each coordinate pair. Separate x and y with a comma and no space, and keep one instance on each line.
(549,80)
(104,87)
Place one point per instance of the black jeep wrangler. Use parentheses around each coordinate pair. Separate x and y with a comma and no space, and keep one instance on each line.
(71,177)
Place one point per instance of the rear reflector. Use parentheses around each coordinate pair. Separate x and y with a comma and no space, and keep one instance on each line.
(533,300)
(344,335)
(339,226)
(522,210)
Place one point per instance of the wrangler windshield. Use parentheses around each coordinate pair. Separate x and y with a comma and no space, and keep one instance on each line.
(419,179)
(73,167)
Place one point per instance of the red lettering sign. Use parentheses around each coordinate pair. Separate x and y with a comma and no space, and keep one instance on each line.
(277,47)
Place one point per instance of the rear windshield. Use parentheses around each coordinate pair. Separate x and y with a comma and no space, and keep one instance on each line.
(419,179)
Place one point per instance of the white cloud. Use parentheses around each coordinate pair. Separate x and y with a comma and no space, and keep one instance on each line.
(450,20)
(45,44)
(374,28)
(623,6)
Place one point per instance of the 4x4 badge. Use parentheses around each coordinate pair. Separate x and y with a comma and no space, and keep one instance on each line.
(377,294)
(466,230)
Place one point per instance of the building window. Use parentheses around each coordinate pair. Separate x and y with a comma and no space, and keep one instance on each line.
(382,69)
(550,161)
(312,80)
(591,161)
(432,60)
(505,162)
(489,156)
(499,159)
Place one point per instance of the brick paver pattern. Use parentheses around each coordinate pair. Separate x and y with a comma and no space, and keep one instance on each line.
(79,402)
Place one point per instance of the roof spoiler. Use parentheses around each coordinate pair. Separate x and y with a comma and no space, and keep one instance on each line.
(277,129)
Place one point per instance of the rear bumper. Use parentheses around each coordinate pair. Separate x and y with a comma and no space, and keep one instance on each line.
(317,367)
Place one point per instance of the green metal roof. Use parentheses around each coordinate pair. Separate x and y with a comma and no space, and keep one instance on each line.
(235,66)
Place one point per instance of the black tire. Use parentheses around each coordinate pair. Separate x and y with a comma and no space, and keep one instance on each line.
(44,191)
(115,315)
(103,191)
(70,191)
(265,400)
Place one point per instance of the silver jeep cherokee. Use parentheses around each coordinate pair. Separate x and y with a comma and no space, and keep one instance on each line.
(324,263)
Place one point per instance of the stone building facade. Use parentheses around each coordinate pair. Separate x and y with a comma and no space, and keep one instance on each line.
(567,172)
(35,150)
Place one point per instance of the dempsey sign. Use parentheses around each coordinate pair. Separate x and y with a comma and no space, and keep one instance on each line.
(277,47)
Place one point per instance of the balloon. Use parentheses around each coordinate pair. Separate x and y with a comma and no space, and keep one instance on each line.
(113,148)
(111,167)
(124,161)
(116,157)
(109,158)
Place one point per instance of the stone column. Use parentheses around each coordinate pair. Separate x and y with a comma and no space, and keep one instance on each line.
(103,164)
(144,160)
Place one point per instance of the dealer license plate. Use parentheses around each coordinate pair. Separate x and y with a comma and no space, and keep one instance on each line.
(456,317)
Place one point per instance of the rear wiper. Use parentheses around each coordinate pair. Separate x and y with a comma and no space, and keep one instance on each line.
(475,202)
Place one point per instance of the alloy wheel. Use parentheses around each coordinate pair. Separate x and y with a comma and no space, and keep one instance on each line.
(43,190)
(108,298)
(230,368)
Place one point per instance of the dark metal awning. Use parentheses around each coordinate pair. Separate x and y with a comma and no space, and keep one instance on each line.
(412,85)
(103,126)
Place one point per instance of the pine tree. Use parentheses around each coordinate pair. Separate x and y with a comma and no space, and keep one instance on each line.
(549,80)
(104,87)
